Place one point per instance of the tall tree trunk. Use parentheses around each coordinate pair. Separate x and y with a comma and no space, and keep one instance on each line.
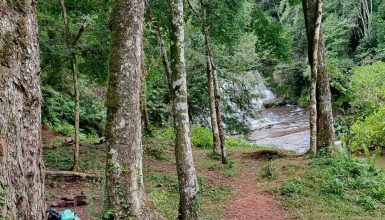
(218,104)
(21,166)
(75,77)
(211,90)
(325,129)
(188,185)
(75,166)
(219,144)
(321,115)
(124,173)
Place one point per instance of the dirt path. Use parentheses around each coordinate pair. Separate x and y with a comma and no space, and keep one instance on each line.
(249,204)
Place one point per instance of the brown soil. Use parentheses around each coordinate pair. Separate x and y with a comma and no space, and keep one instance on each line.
(250,204)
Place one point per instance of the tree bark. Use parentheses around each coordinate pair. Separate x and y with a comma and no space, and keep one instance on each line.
(21,166)
(124,174)
(321,109)
(143,97)
(188,185)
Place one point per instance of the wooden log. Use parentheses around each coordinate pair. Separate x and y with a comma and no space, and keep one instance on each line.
(64,174)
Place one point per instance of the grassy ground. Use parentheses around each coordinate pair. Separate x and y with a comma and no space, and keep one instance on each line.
(329,188)
(159,176)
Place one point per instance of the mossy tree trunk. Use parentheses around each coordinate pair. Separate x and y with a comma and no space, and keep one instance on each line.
(124,174)
(321,114)
(21,166)
(188,185)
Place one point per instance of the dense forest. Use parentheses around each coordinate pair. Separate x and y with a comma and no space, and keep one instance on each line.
(192,109)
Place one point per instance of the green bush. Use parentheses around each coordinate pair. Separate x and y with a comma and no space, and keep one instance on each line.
(166,133)
(368,88)
(239,142)
(58,112)
(369,132)
(269,171)
(292,187)
(366,127)
(157,151)
(201,137)
(341,178)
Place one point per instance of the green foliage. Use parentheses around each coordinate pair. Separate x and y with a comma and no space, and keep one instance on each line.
(58,112)
(166,133)
(368,87)
(341,178)
(369,132)
(201,137)
(272,40)
(157,151)
(366,96)
(269,171)
(60,158)
(292,187)
(108,214)
(239,142)
(230,169)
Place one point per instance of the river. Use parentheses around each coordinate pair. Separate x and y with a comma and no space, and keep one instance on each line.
(284,127)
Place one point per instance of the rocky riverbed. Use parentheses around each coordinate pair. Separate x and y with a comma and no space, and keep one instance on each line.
(285,127)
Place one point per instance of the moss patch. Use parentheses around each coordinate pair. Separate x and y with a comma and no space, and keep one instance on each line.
(7,48)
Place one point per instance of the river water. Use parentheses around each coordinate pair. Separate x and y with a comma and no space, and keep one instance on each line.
(284,127)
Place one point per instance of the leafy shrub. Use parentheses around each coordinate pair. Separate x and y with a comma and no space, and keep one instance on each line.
(344,178)
(365,129)
(368,88)
(58,112)
(336,186)
(157,151)
(201,137)
(292,187)
(269,171)
(239,142)
(369,132)
(167,133)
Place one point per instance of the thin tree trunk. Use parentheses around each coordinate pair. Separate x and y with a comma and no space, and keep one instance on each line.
(70,47)
(75,76)
(213,88)
(321,116)
(188,185)
(212,101)
(124,174)
(21,166)
(163,54)
(218,104)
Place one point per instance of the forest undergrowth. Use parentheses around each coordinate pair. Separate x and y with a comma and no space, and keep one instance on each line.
(342,187)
